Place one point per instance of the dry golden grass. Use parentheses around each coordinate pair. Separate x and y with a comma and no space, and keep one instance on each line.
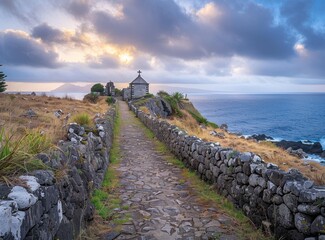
(267,150)
(13,106)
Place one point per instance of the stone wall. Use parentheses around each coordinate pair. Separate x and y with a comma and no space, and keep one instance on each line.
(55,203)
(285,203)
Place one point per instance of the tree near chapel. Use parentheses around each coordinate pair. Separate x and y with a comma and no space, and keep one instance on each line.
(3,84)
(97,88)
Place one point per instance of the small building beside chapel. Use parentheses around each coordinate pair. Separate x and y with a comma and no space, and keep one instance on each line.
(137,88)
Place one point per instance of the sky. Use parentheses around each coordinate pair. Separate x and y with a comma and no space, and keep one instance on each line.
(244,46)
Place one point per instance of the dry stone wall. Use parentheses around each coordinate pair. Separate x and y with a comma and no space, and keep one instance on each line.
(285,203)
(55,204)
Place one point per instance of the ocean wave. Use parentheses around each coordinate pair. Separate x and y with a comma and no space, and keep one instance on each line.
(316,158)
(276,139)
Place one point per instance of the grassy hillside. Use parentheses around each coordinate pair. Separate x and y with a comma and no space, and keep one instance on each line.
(33,124)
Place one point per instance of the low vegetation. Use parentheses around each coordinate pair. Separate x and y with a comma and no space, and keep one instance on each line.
(17,155)
(82,119)
(110,100)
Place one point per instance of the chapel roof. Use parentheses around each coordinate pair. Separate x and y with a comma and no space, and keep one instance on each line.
(139,79)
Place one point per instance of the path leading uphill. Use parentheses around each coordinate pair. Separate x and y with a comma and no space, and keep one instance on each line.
(162,205)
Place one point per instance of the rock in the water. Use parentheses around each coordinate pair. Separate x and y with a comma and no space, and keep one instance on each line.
(315,148)
(260,137)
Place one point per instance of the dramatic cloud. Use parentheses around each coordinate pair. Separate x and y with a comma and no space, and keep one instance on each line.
(17,48)
(79,8)
(152,26)
(227,29)
(180,41)
(48,34)
(104,61)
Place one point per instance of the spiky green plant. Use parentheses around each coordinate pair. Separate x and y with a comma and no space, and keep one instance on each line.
(18,155)
(82,119)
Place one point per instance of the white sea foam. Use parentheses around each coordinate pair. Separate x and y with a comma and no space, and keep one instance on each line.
(276,139)
(316,158)
(308,142)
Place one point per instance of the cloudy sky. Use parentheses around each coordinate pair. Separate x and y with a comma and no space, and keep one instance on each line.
(219,45)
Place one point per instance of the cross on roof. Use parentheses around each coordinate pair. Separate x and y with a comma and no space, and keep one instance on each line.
(139,72)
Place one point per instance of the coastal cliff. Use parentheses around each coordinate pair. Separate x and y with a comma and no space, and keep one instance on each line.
(283,202)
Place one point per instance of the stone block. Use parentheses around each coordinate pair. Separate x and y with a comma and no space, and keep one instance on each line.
(303,223)
(44,177)
(245,157)
(291,201)
(309,209)
(284,216)
(23,198)
(318,225)
(253,180)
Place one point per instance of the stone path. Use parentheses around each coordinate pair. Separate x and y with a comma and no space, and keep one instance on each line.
(161,204)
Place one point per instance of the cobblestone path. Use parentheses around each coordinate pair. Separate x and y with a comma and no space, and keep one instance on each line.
(161,204)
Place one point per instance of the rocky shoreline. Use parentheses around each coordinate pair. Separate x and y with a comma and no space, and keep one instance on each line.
(296,148)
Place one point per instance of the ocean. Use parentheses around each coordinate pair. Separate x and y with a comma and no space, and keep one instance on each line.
(282,116)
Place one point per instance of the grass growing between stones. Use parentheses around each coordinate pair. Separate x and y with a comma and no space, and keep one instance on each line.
(244,228)
(106,200)
(82,119)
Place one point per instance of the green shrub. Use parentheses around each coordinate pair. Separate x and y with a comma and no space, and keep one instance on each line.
(162,93)
(82,119)
(98,87)
(149,95)
(212,124)
(199,118)
(178,96)
(34,142)
(110,100)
